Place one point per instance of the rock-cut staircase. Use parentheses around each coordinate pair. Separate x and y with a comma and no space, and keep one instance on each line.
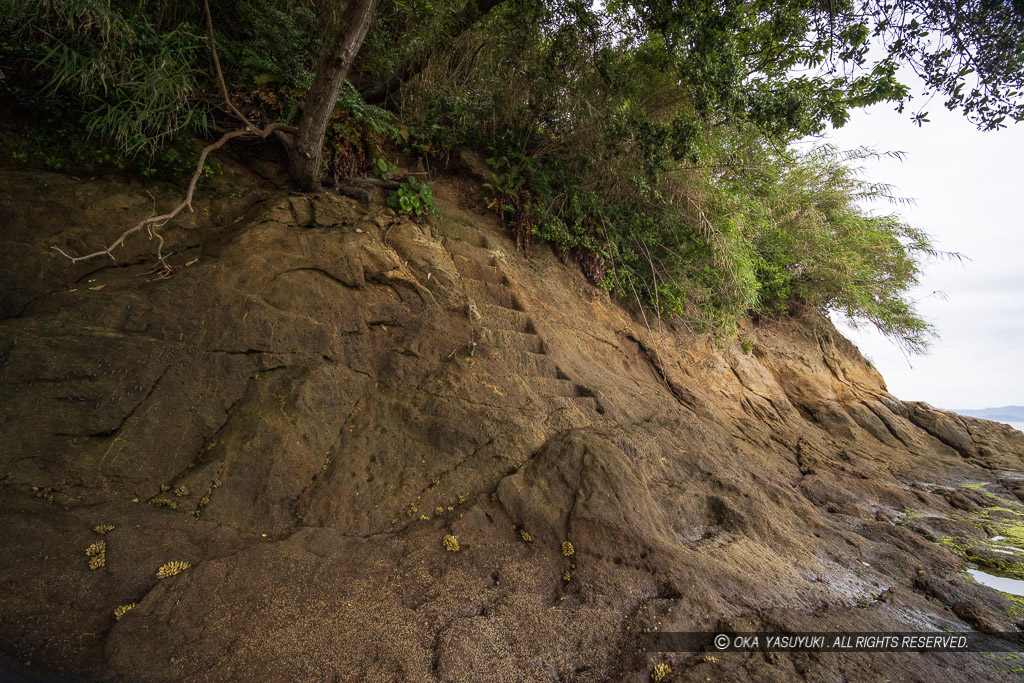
(507,331)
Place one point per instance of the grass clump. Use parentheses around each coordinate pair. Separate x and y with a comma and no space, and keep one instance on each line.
(122,610)
(660,672)
(172,569)
(97,554)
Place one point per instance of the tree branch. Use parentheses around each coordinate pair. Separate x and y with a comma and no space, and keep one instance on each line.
(220,74)
(154,223)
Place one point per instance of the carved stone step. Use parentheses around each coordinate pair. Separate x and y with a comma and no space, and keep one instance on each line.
(587,406)
(472,268)
(494,317)
(457,232)
(489,293)
(520,362)
(550,386)
(510,339)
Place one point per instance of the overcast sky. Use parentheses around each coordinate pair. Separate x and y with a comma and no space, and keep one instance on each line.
(969,192)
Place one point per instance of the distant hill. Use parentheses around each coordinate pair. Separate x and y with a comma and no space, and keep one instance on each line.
(1001,414)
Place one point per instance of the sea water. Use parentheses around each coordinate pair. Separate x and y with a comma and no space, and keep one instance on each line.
(1000,583)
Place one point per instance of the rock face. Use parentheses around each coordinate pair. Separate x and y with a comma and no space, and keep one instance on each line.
(322,392)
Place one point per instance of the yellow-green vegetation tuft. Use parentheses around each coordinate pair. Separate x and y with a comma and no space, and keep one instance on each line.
(909,515)
(46,493)
(102,529)
(165,503)
(182,491)
(567,548)
(968,551)
(451,543)
(97,553)
(526,535)
(660,671)
(438,511)
(567,577)
(121,610)
(172,569)
(165,487)
(1013,534)
(1016,605)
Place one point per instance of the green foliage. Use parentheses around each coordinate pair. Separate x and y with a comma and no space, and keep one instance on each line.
(816,244)
(59,145)
(384,169)
(413,196)
(131,85)
(647,141)
(357,136)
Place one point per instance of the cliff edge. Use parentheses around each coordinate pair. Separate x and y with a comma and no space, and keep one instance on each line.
(259,467)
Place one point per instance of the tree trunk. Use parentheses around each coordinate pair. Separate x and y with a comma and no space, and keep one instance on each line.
(323,94)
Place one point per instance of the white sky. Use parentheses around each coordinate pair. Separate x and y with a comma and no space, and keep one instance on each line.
(969,192)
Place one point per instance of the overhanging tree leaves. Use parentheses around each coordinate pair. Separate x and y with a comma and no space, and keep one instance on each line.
(641,138)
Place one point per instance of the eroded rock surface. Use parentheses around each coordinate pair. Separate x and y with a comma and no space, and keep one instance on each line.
(305,411)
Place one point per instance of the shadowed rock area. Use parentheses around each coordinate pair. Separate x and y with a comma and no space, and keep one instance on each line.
(322,392)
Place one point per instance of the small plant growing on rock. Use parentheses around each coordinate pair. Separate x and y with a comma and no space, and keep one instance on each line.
(748,345)
(660,672)
(526,535)
(414,197)
(165,503)
(182,491)
(97,553)
(567,548)
(103,529)
(172,569)
(121,610)
(451,543)
(385,169)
